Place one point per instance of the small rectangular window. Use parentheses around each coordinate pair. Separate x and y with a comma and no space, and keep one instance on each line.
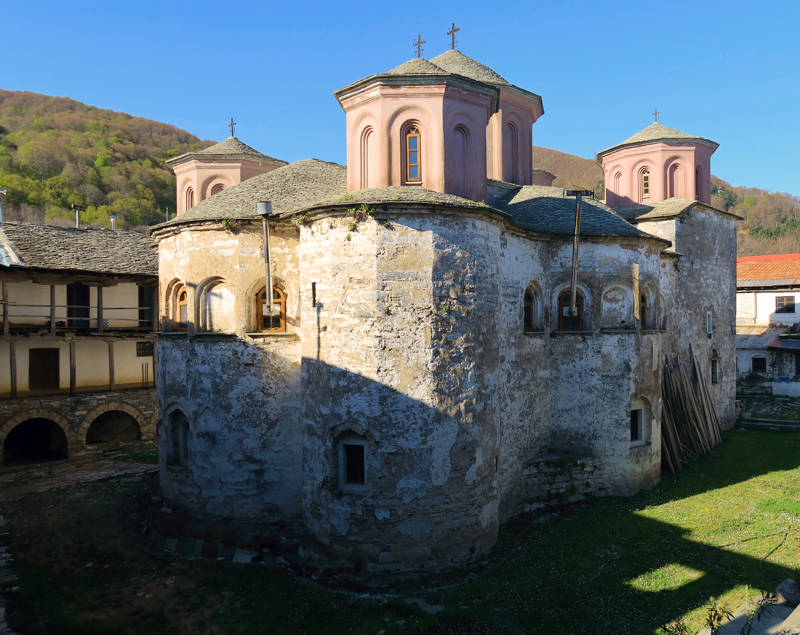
(353,464)
(784,304)
(714,371)
(709,322)
(759,365)
(636,425)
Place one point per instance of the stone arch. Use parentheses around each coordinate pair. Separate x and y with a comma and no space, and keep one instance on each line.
(40,413)
(111,406)
(648,309)
(616,307)
(204,307)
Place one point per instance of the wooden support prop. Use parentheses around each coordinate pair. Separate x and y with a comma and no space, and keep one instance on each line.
(52,309)
(99,309)
(72,367)
(12,360)
(5,309)
(111,379)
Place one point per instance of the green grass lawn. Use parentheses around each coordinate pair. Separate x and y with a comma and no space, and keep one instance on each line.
(726,527)
(770,407)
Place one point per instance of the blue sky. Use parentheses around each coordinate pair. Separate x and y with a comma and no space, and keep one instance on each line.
(728,71)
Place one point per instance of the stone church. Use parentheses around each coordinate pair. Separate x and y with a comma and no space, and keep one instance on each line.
(421,373)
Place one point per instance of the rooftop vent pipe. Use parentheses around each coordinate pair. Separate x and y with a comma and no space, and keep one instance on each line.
(113,222)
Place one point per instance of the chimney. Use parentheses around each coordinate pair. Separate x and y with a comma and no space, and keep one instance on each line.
(77,217)
(113,222)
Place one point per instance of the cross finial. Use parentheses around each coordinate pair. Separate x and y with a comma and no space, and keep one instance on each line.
(656,113)
(452,33)
(419,44)
(232,126)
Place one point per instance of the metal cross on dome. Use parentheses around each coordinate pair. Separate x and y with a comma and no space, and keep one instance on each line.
(656,113)
(419,44)
(232,126)
(452,33)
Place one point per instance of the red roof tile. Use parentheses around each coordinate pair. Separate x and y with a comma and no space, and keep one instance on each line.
(770,267)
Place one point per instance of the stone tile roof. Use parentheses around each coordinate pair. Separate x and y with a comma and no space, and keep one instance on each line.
(313,184)
(417,66)
(457,63)
(668,208)
(66,248)
(781,268)
(231,148)
(546,210)
(289,188)
(657,132)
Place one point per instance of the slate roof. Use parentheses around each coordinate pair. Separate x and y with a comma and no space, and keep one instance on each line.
(289,188)
(668,208)
(231,148)
(313,184)
(657,132)
(546,210)
(417,66)
(769,270)
(457,63)
(66,248)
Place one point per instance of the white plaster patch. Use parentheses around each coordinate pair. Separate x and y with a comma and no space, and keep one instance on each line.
(339,522)
(472,472)
(442,441)
(489,514)
(382,514)
(411,488)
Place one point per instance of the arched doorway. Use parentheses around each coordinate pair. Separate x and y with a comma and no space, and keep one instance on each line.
(33,441)
(113,426)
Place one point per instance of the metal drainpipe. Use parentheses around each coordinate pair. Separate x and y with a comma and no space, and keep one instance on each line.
(573,290)
(264,210)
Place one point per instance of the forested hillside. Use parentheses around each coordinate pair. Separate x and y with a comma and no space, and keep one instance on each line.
(771,222)
(57,152)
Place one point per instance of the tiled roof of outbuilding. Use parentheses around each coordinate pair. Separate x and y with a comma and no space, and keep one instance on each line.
(774,267)
(67,248)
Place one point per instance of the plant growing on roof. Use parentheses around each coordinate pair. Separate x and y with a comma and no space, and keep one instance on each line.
(301,219)
(362,212)
(227,224)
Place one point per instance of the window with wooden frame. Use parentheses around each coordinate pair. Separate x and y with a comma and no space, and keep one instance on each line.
(644,184)
(529,312)
(784,304)
(413,155)
(567,321)
(181,314)
(275,323)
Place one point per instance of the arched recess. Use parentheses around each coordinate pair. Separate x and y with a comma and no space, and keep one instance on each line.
(178,438)
(673,176)
(215,305)
(698,183)
(511,169)
(648,309)
(644,183)
(460,163)
(616,307)
(532,309)
(583,303)
(47,435)
(113,406)
(251,297)
(616,192)
(189,198)
(366,153)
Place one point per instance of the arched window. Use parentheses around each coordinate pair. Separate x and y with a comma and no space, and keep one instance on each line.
(644,184)
(529,311)
(181,312)
(673,181)
(189,198)
(218,187)
(413,154)
(365,139)
(276,323)
(461,144)
(643,311)
(567,321)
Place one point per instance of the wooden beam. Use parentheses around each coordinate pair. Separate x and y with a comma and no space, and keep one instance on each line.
(100,309)
(111,379)
(72,367)
(5,310)
(52,309)
(12,357)
(156,308)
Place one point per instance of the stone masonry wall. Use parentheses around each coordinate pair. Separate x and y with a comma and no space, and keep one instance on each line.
(75,413)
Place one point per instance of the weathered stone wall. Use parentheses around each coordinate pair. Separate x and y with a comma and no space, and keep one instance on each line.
(241,398)
(703,280)
(552,480)
(75,413)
